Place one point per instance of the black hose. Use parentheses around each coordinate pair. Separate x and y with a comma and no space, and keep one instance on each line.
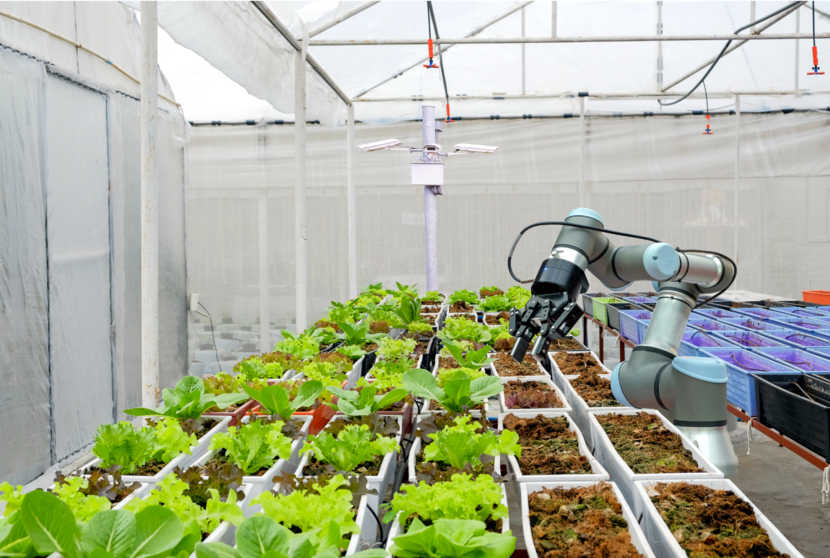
(723,51)
(215,350)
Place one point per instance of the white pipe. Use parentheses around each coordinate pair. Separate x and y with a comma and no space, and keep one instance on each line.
(351,13)
(752,16)
(659,45)
(524,81)
(352,194)
(149,207)
(570,94)
(737,168)
(797,46)
(264,295)
(743,39)
(430,206)
(301,271)
(553,22)
(583,198)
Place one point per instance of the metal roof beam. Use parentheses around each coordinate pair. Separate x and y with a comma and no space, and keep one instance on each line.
(349,14)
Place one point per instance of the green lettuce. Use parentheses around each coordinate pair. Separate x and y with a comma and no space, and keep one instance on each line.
(352,446)
(188,400)
(462,497)
(458,392)
(253,445)
(461,444)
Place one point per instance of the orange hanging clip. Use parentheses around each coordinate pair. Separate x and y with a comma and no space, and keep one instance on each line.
(815,71)
(708,132)
(449,118)
(431,63)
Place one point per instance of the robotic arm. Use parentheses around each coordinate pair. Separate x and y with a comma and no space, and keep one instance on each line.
(690,391)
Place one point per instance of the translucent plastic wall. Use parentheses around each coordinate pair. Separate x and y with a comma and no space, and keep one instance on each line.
(70,275)
(651,176)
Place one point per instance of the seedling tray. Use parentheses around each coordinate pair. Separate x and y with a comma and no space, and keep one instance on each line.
(746,339)
(601,307)
(819,328)
(797,339)
(693,341)
(782,405)
(741,364)
(752,324)
(716,313)
(629,328)
(544,380)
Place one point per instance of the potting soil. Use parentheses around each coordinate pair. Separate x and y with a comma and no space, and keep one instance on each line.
(709,523)
(368,468)
(565,345)
(572,364)
(579,522)
(504,345)
(486,293)
(530,395)
(221,457)
(460,307)
(646,445)
(494,319)
(594,390)
(506,366)
(549,447)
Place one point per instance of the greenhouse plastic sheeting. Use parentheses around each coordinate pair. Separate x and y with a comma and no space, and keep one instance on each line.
(24,340)
(650,176)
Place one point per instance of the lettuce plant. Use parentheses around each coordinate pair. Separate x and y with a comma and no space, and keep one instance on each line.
(404,291)
(409,312)
(82,506)
(304,345)
(255,368)
(463,295)
(44,524)
(462,497)
(458,392)
(276,399)
(262,537)
(226,383)
(364,402)
(121,444)
(353,445)
(358,334)
(395,349)
(254,445)
(322,371)
(462,328)
(446,374)
(497,303)
(461,443)
(188,400)
(418,327)
(518,296)
(453,538)
(106,483)
(354,352)
(389,374)
(171,493)
(472,359)
(433,297)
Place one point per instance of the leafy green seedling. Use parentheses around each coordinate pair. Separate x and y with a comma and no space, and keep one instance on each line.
(304,345)
(461,444)
(458,392)
(276,400)
(254,445)
(497,303)
(365,402)
(357,334)
(453,538)
(353,445)
(473,359)
(463,295)
(409,311)
(188,401)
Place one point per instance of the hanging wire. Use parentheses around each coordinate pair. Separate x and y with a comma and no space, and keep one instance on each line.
(440,59)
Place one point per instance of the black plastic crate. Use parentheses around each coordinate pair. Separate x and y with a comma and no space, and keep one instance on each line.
(588,302)
(782,405)
(614,308)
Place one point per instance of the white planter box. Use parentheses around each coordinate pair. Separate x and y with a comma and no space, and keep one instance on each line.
(545,380)
(416,448)
(368,528)
(581,412)
(377,482)
(557,375)
(182,460)
(226,532)
(484,318)
(664,543)
(638,538)
(598,472)
(260,484)
(396,528)
(495,369)
(605,452)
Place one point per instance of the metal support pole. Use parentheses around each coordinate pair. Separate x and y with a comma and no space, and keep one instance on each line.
(264,295)
(752,16)
(524,80)
(149,207)
(299,187)
(352,194)
(797,45)
(583,197)
(737,167)
(659,46)
(430,207)
(553,24)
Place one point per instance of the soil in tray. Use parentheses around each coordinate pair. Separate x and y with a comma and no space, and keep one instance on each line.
(506,366)
(149,469)
(549,447)
(530,395)
(709,523)
(368,468)
(429,309)
(504,345)
(430,319)
(646,445)
(436,406)
(221,458)
(577,522)
(565,345)
(595,391)
(486,293)
(493,319)
(460,307)
(572,364)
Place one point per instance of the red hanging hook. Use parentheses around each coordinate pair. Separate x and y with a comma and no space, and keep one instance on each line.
(815,71)
(449,118)
(708,132)
(431,63)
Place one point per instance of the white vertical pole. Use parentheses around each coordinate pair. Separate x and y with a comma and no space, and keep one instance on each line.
(352,194)
(659,46)
(752,16)
(524,81)
(583,198)
(264,295)
(430,207)
(737,166)
(299,186)
(797,45)
(553,19)
(149,207)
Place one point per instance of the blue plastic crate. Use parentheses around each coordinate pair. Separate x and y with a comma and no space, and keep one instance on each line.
(797,339)
(752,324)
(629,328)
(825,309)
(746,339)
(643,327)
(715,313)
(804,325)
(640,299)
(757,313)
(741,364)
(694,340)
(708,325)
(808,313)
(803,361)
